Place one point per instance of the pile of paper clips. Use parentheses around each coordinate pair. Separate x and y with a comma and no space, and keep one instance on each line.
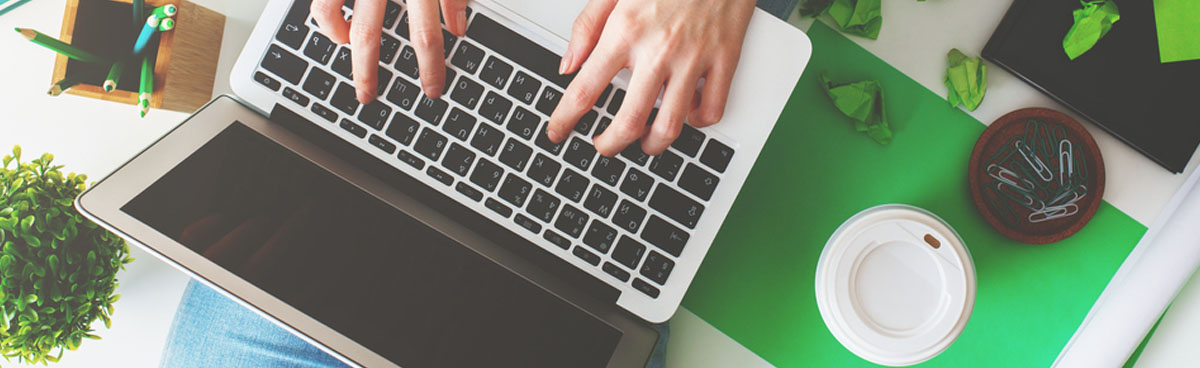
(1042,172)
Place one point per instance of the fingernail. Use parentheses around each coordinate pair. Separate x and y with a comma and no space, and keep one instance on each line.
(554,135)
(364,97)
(566,62)
(433,90)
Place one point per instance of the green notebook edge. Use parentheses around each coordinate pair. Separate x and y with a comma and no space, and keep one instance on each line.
(756,283)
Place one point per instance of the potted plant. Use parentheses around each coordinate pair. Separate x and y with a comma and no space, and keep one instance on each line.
(57,269)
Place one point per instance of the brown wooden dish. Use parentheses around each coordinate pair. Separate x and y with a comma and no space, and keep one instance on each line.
(1018,180)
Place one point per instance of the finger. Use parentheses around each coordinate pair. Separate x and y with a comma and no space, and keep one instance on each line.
(455,12)
(630,123)
(328,14)
(582,93)
(365,36)
(713,95)
(677,102)
(426,32)
(585,33)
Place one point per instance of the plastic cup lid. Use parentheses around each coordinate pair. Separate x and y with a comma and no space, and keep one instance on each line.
(895,285)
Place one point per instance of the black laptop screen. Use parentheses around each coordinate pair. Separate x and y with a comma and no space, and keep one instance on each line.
(358,265)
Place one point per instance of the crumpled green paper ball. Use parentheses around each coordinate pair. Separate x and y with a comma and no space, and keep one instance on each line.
(1092,22)
(967,80)
(862,102)
(856,17)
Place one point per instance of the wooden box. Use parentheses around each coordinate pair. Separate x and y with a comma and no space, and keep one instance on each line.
(185,59)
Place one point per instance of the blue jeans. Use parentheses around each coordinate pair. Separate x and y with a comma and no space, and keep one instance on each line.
(212,331)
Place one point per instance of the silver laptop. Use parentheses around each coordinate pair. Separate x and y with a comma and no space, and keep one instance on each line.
(433,233)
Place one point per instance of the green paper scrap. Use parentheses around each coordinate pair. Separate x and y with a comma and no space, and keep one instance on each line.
(967,80)
(856,17)
(1092,22)
(757,282)
(863,102)
(1178,25)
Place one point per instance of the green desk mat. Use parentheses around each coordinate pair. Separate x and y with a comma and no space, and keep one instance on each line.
(756,284)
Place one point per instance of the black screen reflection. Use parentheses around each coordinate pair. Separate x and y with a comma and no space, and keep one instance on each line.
(360,266)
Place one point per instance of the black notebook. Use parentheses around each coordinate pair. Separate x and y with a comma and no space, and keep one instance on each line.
(1119,84)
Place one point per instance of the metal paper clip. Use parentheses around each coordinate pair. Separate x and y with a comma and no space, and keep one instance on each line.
(1075,194)
(1004,175)
(1066,161)
(1053,213)
(1035,162)
(1022,198)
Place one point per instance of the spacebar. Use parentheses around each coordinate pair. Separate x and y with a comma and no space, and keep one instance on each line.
(517,48)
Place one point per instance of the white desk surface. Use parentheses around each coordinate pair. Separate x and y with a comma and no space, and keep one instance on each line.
(95,137)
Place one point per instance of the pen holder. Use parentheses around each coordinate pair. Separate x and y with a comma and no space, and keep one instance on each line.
(185,59)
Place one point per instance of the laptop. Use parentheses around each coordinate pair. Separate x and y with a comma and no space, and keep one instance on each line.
(441,233)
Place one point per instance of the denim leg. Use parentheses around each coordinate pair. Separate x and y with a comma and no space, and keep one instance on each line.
(779,8)
(211,330)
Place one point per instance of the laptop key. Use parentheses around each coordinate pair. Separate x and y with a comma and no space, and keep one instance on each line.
(571,221)
(496,72)
(403,93)
(342,63)
(450,73)
(430,144)
(615,105)
(544,142)
(319,83)
(515,154)
(689,141)
(403,129)
(459,159)
(572,185)
(600,237)
(580,154)
(468,191)
(629,252)
(266,81)
(448,41)
(524,88)
(523,122)
(411,159)
(402,26)
(353,128)
(407,62)
(459,124)
(556,239)
(544,170)
(324,112)
(629,216)
(716,155)
(382,77)
(284,64)
(600,201)
(645,288)
(515,190)
(602,125)
(495,108)
(319,48)
(634,153)
(375,114)
(487,139)
(637,184)
(344,99)
(549,100)
(666,165)
(382,144)
(388,46)
(657,267)
(676,206)
(585,123)
(527,223)
(608,170)
(603,97)
(298,12)
(292,34)
(698,181)
(665,236)
(497,207)
(467,92)
(439,175)
(487,175)
(586,255)
(467,57)
(391,14)
(294,96)
(615,271)
(431,110)
(543,205)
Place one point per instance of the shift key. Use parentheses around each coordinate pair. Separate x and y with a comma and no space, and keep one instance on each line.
(676,206)
(284,64)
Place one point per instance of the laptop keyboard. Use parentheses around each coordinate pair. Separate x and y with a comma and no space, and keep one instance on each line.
(630,216)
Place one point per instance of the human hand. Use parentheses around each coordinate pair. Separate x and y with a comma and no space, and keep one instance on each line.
(669,45)
(363,32)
